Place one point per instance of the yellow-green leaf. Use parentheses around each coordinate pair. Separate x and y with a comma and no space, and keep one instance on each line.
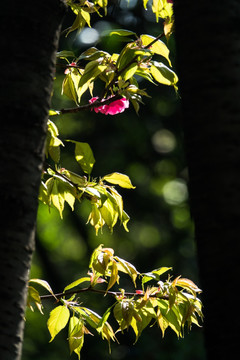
(34,297)
(70,85)
(114,275)
(119,179)
(163,74)
(43,283)
(75,335)
(84,156)
(76,283)
(162,323)
(57,320)
(159,47)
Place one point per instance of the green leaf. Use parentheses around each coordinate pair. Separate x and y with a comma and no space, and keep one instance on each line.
(59,191)
(84,156)
(76,283)
(66,190)
(154,275)
(71,85)
(123,313)
(119,202)
(145,3)
(121,32)
(93,54)
(79,21)
(163,74)
(57,320)
(125,220)
(95,218)
(114,275)
(53,112)
(162,323)
(34,297)
(53,143)
(187,284)
(109,212)
(75,178)
(162,9)
(64,54)
(43,193)
(161,270)
(92,70)
(127,268)
(159,47)
(119,179)
(142,318)
(44,284)
(172,316)
(104,318)
(75,335)
(86,16)
(130,71)
(93,319)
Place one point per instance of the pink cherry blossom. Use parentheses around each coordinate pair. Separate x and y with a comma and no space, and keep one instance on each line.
(115,107)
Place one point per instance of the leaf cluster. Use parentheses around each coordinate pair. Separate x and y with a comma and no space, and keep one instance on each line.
(60,185)
(119,72)
(168,304)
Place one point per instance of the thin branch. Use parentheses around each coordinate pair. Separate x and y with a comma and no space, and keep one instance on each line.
(102,292)
(154,40)
(91,106)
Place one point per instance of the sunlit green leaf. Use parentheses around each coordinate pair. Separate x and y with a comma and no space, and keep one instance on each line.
(93,54)
(161,270)
(162,9)
(163,74)
(158,47)
(119,179)
(114,275)
(53,112)
(143,319)
(75,178)
(84,156)
(34,297)
(128,268)
(58,319)
(123,313)
(44,284)
(121,32)
(172,316)
(43,193)
(71,85)
(75,335)
(95,218)
(125,220)
(60,190)
(93,319)
(162,323)
(104,318)
(76,283)
(92,70)
(53,143)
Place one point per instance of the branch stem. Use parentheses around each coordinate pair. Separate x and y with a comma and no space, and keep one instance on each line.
(97,291)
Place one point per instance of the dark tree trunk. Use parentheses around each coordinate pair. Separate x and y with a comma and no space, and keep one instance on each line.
(29,37)
(208,48)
